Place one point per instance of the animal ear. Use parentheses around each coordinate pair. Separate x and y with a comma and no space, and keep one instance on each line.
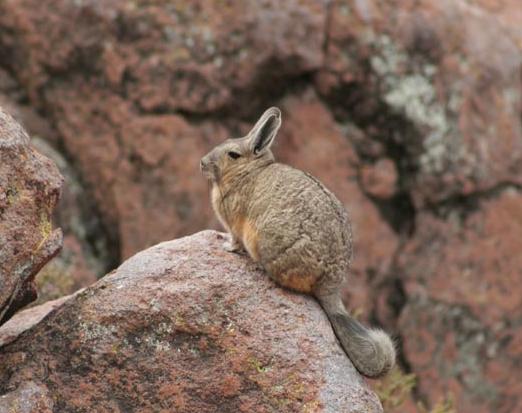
(264,131)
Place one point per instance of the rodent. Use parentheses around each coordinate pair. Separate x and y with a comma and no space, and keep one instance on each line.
(295,228)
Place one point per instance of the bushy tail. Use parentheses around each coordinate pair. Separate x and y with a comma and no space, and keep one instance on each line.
(371,350)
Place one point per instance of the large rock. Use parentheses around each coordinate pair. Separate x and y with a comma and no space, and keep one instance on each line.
(29,189)
(445,102)
(195,56)
(186,326)
(463,279)
(86,253)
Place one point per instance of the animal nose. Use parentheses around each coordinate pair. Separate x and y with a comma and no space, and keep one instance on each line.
(202,164)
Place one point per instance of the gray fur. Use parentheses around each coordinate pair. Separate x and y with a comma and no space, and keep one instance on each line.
(295,228)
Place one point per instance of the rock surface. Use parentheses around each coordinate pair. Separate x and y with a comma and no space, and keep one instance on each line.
(463,279)
(436,93)
(27,318)
(29,189)
(186,326)
(85,254)
(28,398)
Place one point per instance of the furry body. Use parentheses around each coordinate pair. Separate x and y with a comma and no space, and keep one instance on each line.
(293,226)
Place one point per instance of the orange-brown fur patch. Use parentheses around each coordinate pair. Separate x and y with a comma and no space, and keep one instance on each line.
(236,226)
(249,238)
(242,229)
(298,282)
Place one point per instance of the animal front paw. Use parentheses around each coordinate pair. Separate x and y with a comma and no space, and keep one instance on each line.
(234,246)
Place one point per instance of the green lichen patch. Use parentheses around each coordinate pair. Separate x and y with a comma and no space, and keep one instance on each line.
(45,227)
(11,195)
(258,366)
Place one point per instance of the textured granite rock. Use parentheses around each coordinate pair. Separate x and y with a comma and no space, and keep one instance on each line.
(29,190)
(437,83)
(186,326)
(28,398)
(86,252)
(463,279)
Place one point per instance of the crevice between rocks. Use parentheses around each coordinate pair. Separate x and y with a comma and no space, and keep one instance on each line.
(327,26)
(465,205)
(102,240)
(259,96)
(392,286)
(394,135)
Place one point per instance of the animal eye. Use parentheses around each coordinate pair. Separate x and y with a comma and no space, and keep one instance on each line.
(234,155)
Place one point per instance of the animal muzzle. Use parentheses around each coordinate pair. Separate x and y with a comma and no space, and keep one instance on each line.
(207,168)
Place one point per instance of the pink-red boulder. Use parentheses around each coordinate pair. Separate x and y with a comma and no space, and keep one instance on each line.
(186,326)
(29,190)
(461,325)
(437,83)
(85,253)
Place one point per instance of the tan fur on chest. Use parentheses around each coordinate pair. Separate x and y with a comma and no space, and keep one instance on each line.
(227,219)
(232,222)
(215,197)
(249,239)
(242,228)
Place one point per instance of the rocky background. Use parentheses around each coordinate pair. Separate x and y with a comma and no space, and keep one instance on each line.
(410,111)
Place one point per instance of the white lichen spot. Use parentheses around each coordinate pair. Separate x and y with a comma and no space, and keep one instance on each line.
(171,35)
(414,96)
(344,10)
(93,334)
(164,328)
(156,344)
(411,92)
(155,305)
(189,42)
(218,61)
(388,59)
(512,97)
(455,102)
(243,54)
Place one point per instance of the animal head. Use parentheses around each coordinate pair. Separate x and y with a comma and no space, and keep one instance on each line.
(239,156)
